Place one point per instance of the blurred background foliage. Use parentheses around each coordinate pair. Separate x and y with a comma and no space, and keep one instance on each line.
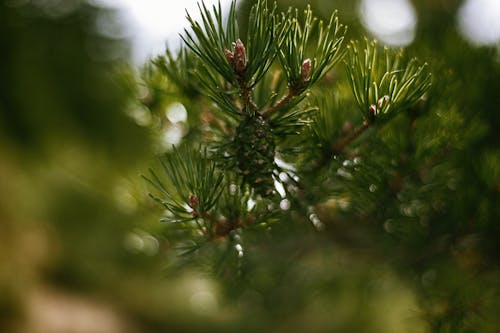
(412,246)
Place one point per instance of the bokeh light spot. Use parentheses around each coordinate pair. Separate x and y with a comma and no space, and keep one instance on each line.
(479,21)
(176,112)
(153,23)
(391,21)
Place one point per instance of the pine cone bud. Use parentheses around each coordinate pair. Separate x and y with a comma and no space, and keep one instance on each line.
(383,101)
(373,110)
(230,57)
(305,70)
(240,61)
(193,201)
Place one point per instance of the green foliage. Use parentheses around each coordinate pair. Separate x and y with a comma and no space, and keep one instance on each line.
(179,69)
(210,39)
(297,40)
(388,216)
(197,184)
(255,149)
(262,40)
(378,179)
(257,127)
(229,70)
(384,86)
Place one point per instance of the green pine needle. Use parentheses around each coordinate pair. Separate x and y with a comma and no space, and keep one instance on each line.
(384,85)
(179,69)
(191,185)
(295,48)
(210,38)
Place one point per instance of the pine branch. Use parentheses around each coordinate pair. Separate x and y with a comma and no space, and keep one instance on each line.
(284,101)
(383,87)
(191,188)
(179,68)
(209,39)
(231,71)
(302,70)
(339,146)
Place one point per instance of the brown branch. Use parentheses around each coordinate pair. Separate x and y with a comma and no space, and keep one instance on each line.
(339,146)
(246,97)
(292,92)
(245,93)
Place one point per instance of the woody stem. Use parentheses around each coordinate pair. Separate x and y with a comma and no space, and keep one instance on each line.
(339,146)
(292,92)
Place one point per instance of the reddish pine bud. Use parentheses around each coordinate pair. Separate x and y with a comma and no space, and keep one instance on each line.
(240,61)
(382,101)
(229,57)
(305,70)
(373,110)
(193,201)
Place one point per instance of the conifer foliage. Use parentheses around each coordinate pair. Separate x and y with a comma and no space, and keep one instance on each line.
(302,142)
(305,178)
(261,112)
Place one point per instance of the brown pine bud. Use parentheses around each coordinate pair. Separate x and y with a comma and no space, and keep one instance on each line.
(305,70)
(373,110)
(240,61)
(382,101)
(193,201)
(230,57)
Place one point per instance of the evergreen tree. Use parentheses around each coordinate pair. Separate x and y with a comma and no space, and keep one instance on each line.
(288,136)
(314,180)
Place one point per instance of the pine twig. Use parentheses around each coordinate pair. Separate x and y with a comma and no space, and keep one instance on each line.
(339,146)
(292,92)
